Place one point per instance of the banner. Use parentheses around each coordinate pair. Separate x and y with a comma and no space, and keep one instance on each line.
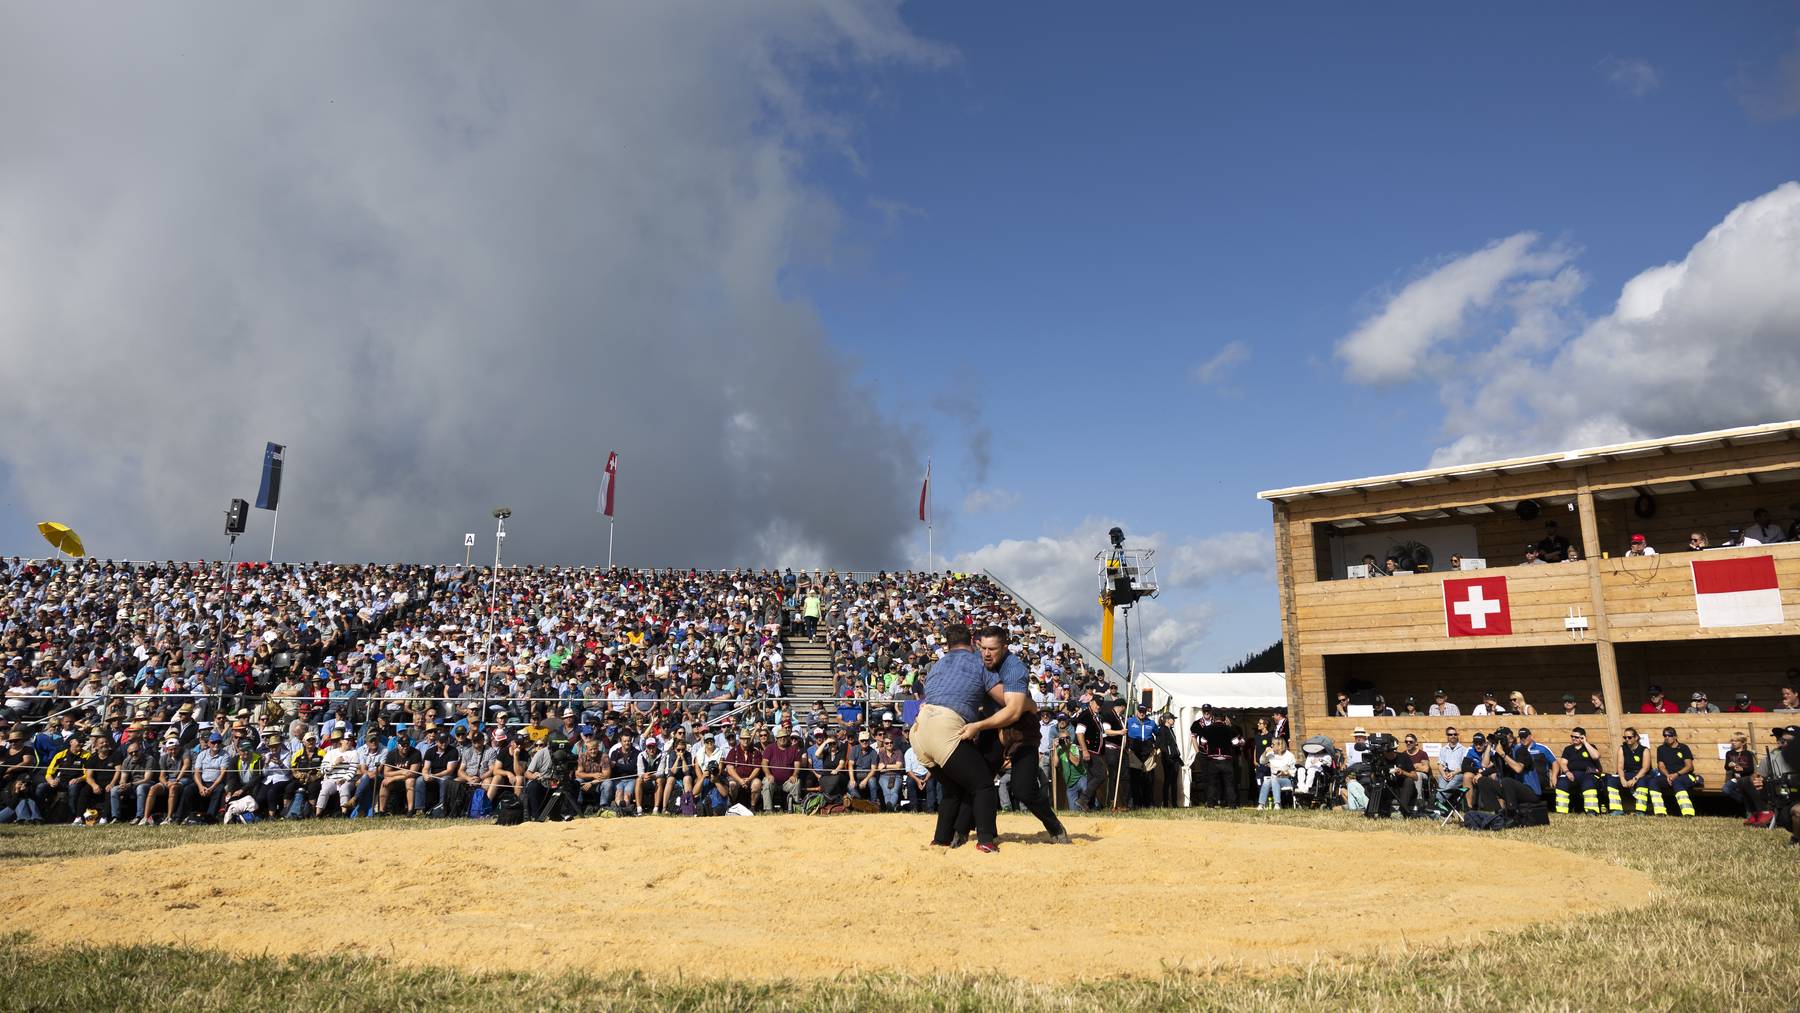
(270,494)
(1477,607)
(925,491)
(606,485)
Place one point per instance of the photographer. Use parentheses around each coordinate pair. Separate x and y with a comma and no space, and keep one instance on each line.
(550,768)
(1778,776)
(1503,778)
(1579,767)
(1390,777)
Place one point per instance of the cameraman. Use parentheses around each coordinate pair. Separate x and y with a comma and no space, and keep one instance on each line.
(1503,779)
(1391,775)
(1778,777)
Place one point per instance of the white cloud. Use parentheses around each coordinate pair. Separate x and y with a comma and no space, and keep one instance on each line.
(1633,76)
(1214,370)
(1401,341)
(1058,574)
(1710,341)
(989,501)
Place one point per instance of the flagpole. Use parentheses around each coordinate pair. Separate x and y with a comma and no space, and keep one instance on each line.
(609,542)
(274,527)
(930,551)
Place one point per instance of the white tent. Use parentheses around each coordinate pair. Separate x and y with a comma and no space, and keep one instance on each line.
(1184,693)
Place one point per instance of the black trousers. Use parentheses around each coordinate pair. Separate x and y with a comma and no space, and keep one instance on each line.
(1490,791)
(1171,780)
(1141,781)
(1026,786)
(968,781)
(1221,780)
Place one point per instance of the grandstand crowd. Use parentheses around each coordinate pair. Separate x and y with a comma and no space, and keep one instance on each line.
(176,692)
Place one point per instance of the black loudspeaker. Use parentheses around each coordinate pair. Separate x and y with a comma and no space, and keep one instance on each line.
(235,514)
(1644,506)
(1527,509)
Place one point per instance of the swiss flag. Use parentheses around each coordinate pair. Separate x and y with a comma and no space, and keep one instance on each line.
(1477,607)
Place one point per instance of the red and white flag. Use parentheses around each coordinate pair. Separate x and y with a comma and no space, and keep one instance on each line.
(1737,592)
(606,484)
(1477,607)
(925,491)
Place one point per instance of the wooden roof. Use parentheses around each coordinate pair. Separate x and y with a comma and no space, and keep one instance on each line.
(1744,436)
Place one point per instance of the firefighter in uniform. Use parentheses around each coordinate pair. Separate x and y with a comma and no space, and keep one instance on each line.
(1635,778)
(1675,762)
(1579,767)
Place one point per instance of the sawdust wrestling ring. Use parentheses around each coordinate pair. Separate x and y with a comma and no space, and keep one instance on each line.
(792,897)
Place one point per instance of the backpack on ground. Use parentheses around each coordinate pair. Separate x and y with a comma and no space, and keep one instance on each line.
(509,812)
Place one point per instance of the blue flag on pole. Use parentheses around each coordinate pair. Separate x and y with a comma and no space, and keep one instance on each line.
(270,494)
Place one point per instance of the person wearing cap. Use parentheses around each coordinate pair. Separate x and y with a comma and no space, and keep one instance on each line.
(1531,556)
(369,757)
(1658,704)
(204,797)
(436,789)
(1489,706)
(399,772)
(1740,704)
(18,779)
(474,763)
(1639,547)
(1777,778)
(1553,547)
(1675,766)
(308,766)
(1441,707)
(781,772)
(1698,704)
(1578,768)
(338,769)
(863,761)
(278,776)
(1140,741)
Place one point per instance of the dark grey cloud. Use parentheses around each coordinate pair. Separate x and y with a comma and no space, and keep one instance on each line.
(451,255)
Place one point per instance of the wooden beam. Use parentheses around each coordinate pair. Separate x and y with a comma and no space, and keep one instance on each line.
(1603,646)
(1290,627)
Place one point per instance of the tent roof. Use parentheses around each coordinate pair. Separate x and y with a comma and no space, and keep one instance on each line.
(1221,689)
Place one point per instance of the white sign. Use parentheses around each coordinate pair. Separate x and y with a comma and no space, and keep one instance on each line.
(469,540)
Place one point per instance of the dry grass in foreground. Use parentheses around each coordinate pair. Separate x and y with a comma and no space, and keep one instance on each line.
(1720,939)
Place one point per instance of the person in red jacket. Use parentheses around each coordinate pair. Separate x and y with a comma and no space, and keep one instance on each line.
(1658,704)
(1740,704)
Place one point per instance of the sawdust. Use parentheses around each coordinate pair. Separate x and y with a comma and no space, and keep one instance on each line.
(776,897)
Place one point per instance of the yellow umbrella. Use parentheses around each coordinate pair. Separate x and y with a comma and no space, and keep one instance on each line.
(62,537)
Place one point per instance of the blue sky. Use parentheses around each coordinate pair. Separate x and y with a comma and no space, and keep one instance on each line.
(1092,209)
(1102,265)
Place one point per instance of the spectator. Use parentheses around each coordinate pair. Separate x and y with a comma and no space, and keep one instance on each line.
(922,791)
(1740,781)
(1578,769)
(1281,766)
(1736,538)
(1568,705)
(1371,567)
(1639,547)
(18,779)
(1358,746)
(205,794)
(863,761)
(338,768)
(1456,562)
(1764,529)
(1553,548)
(1488,707)
(1391,568)
(1697,541)
(1519,706)
(1572,556)
(1071,765)
(1421,763)
(781,772)
(889,769)
(1531,556)
(1635,779)
(1740,704)
(1675,765)
(1381,708)
(1441,707)
(1450,761)
(1700,705)
(1790,697)
(1793,528)
(1342,709)
(1597,703)
(1658,704)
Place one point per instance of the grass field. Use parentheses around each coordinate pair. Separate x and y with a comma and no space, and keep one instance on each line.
(1722,937)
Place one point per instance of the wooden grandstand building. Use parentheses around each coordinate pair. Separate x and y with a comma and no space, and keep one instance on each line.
(1723,620)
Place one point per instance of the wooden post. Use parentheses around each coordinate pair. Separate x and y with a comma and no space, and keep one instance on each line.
(1603,646)
(1290,643)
